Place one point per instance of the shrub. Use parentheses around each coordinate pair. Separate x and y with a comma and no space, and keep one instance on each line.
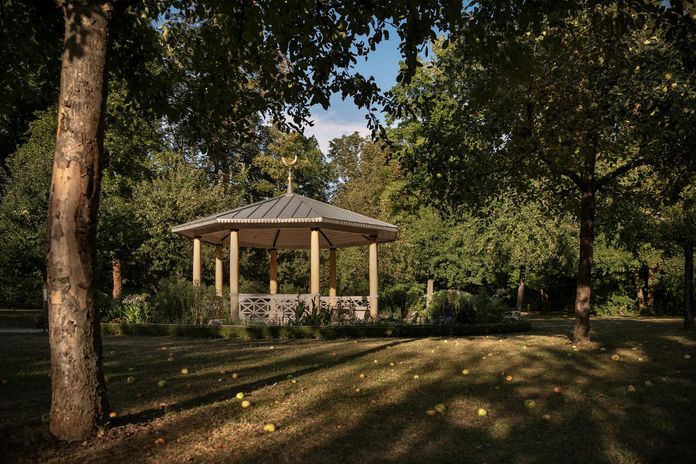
(400,299)
(177,301)
(313,316)
(617,305)
(457,307)
(133,309)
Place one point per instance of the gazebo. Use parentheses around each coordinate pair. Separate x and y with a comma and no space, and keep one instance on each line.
(290,221)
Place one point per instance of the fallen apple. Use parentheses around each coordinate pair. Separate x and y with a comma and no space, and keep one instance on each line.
(431,412)
(465,372)
(130,379)
(159,441)
(269,428)
(113,415)
(508,378)
(615,357)
(557,389)
(362,376)
(416,377)
(161,383)
(529,404)
(440,408)
(184,371)
(235,375)
(482,412)
(246,404)
(239,396)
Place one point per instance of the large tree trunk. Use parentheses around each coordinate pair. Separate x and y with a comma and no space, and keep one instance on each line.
(117,279)
(78,402)
(520,292)
(688,285)
(640,296)
(583,289)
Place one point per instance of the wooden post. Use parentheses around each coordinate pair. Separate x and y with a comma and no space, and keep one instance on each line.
(429,293)
(332,277)
(273,285)
(196,261)
(234,274)
(314,289)
(273,273)
(374,309)
(218,270)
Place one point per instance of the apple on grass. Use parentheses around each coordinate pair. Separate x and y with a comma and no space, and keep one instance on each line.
(269,428)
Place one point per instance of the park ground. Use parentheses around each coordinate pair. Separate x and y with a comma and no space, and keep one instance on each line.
(630,397)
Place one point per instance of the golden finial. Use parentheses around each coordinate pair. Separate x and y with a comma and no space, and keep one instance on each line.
(289,164)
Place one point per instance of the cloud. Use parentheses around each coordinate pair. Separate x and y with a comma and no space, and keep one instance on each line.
(328,127)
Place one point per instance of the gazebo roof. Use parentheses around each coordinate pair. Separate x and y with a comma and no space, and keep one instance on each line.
(284,222)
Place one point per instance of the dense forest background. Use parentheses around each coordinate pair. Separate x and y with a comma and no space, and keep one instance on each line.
(476,166)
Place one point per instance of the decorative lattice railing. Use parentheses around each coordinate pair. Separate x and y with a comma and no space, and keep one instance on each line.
(280,308)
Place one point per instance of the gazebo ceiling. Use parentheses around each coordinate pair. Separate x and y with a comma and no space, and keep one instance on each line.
(285,221)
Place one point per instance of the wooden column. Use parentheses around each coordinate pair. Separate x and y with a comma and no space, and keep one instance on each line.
(218,270)
(332,277)
(314,289)
(273,285)
(196,261)
(234,275)
(374,310)
(273,273)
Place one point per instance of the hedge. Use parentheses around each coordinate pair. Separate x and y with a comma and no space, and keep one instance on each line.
(255,332)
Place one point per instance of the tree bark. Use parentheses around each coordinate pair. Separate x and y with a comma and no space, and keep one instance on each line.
(688,285)
(520,291)
(78,402)
(583,290)
(640,296)
(650,287)
(117,279)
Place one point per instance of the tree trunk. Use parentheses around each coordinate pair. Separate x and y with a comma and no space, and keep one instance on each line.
(544,300)
(688,285)
(640,296)
(520,291)
(650,286)
(583,289)
(117,278)
(78,402)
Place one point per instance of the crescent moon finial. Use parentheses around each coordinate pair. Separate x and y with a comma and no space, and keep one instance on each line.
(289,164)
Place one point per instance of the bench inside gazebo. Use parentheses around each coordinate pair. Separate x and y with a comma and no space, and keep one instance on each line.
(290,221)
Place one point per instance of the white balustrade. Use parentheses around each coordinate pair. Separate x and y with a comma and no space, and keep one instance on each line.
(279,309)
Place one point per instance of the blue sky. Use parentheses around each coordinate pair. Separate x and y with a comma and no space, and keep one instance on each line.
(343,117)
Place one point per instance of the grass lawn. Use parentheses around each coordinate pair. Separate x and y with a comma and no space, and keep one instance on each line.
(629,398)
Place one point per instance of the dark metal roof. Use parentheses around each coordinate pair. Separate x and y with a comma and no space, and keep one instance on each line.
(284,222)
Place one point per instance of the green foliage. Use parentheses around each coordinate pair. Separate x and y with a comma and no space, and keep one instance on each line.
(457,307)
(312,316)
(178,301)
(617,305)
(401,299)
(133,309)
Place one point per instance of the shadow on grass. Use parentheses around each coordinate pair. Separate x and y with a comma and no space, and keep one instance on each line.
(224,393)
(593,417)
